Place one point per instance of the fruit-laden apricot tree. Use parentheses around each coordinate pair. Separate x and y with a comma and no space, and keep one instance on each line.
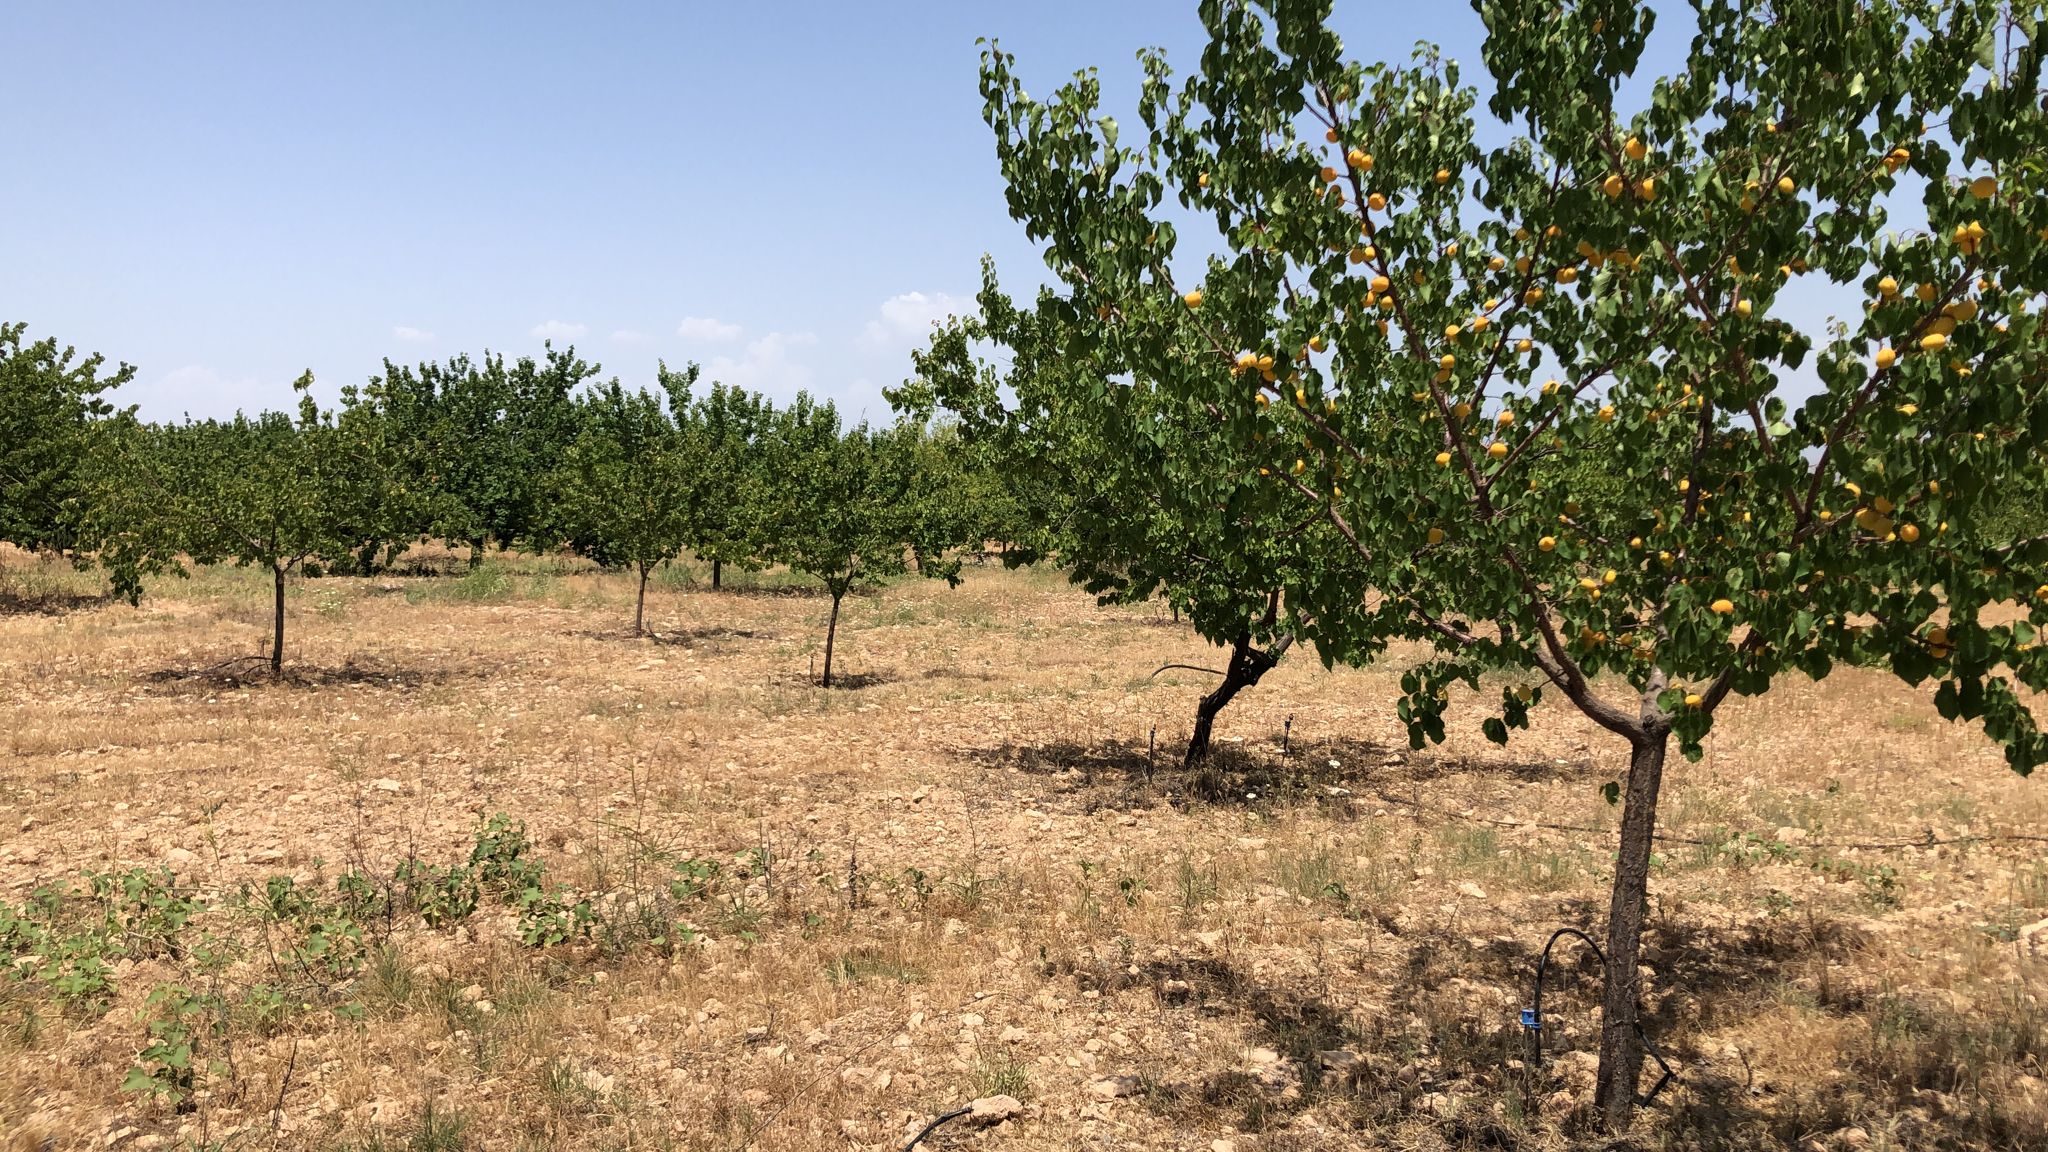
(847,506)
(273,490)
(1136,495)
(1606,292)
(630,489)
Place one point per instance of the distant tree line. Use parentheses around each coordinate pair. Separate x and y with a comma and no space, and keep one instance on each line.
(534,454)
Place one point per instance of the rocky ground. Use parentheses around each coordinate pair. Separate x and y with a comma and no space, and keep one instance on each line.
(725,909)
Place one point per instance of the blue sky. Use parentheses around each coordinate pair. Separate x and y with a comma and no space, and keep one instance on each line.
(227,194)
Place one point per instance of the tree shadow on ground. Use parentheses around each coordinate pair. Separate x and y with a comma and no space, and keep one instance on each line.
(1442,1041)
(709,636)
(50,603)
(254,672)
(1113,772)
(846,680)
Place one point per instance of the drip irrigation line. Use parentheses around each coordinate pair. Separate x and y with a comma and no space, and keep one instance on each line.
(1532,1016)
(932,1127)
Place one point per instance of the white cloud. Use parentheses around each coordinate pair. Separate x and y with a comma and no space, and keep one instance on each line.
(411,335)
(558,330)
(629,336)
(766,365)
(705,330)
(907,319)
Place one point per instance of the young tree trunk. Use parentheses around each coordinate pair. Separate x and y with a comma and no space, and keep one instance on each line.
(277,633)
(831,631)
(476,553)
(1247,665)
(717,567)
(640,605)
(1621,1050)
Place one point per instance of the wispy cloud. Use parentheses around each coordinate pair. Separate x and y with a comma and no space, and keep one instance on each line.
(410,335)
(559,330)
(907,319)
(705,330)
(766,365)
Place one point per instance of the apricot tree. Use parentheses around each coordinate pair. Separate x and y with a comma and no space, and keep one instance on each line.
(1459,328)
(629,488)
(1117,484)
(274,490)
(50,400)
(846,506)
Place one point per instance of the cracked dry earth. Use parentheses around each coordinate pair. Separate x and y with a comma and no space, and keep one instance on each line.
(790,918)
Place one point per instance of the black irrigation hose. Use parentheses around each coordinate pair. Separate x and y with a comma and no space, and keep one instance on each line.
(1532,1016)
(955,1114)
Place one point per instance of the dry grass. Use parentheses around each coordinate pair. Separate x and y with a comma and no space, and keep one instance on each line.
(1038,904)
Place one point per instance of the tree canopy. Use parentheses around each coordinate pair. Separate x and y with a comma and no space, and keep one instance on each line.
(1420,338)
(50,400)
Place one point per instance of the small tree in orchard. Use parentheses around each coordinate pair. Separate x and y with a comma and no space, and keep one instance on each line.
(629,486)
(49,401)
(1605,294)
(1137,495)
(842,507)
(729,424)
(273,491)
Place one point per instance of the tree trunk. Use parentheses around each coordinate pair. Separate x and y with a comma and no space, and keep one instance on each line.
(476,553)
(1247,665)
(831,631)
(640,605)
(1621,1049)
(717,570)
(277,633)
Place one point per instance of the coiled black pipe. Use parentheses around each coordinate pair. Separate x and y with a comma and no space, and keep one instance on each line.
(1532,1016)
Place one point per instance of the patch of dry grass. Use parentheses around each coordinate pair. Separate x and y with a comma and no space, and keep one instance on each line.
(815,919)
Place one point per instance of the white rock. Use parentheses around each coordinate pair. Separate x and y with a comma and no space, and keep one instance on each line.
(993,1109)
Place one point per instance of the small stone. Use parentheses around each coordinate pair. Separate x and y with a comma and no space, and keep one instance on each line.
(180,858)
(1339,1061)
(1112,1087)
(387,784)
(1014,1035)
(1853,1138)
(472,994)
(1222,1145)
(993,1109)
(1468,888)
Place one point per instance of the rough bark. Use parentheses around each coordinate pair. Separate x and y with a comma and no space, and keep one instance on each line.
(1621,1049)
(831,632)
(640,605)
(1247,665)
(717,573)
(277,633)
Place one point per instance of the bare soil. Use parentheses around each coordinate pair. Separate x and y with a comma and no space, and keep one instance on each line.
(808,919)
